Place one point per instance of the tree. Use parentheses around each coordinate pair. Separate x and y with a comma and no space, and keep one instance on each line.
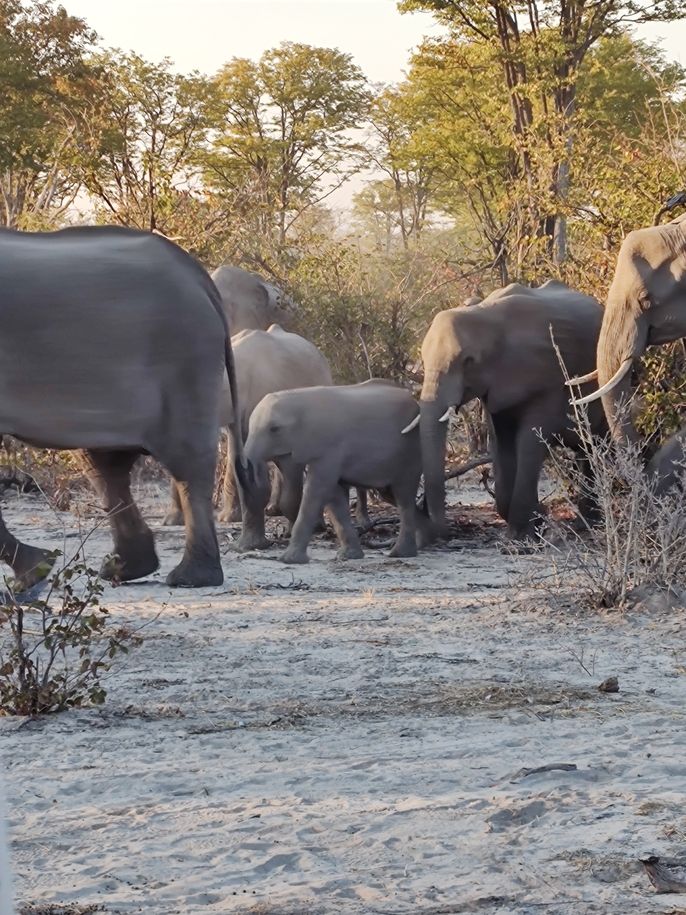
(625,90)
(141,152)
(466,137)
(397,122)
(283,140)
(45,84)
(541,46)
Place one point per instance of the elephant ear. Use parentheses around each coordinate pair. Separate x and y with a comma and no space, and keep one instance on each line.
(475,338)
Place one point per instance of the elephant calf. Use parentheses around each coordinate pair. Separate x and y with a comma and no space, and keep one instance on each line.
(348,435)
(267,361)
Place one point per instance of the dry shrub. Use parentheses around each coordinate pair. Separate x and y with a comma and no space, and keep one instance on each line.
(637,548)
(53,658)
(57,474)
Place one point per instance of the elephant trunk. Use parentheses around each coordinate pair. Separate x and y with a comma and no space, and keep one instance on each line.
(623,337)
(433,404)
(256,494)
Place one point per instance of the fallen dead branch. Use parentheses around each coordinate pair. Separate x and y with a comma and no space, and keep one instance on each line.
(469,465)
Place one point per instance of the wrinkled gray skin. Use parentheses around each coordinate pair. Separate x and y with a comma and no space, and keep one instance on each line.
(501,352)
(266,361)
(348,435)
(114,341)
(646,305)
(251,303)
(667,467)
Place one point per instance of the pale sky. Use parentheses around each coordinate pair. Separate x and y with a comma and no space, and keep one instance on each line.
(204,34)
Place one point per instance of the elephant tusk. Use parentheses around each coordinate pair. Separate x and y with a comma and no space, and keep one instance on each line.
(446,415)
(411,426)
(583,379)
(609,385)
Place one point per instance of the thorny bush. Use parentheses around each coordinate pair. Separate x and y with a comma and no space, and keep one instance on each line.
(636,548)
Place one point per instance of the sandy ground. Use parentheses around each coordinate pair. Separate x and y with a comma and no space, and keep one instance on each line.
(351,738)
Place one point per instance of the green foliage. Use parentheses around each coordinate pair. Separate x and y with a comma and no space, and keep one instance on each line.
(139,163)
(398,121)
(282,139)
(539,51)
(45,82)
(53,659)
(368,310)
(662,392)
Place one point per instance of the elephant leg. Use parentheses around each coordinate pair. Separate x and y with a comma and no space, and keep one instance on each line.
(320,485)
(193,471)
(292,476)
(174,516)
(339,510)
(30,564)
(403,495)
(253,535)
(361,508)
(274,507)
(504,463)
(231,505)
(134,546)
(426,532)
(531,452)
(588,506)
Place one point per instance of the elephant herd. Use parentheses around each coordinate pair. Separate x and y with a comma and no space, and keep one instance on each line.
(116,343)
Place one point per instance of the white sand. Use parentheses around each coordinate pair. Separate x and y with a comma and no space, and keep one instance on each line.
(347,738)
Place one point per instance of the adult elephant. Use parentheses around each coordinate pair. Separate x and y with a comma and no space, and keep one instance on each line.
(266,361)
(646,305)
(114,341)
(501,351)
(251,303)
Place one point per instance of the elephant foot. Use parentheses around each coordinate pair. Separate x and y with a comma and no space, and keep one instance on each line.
(441,530)
(294,556)
(133,558)
(273,510)
(424,537)
(230,515)
(31,565)
(173,518)
(350,552)
(524,540)
(252,542)
(196,573)
(403,550)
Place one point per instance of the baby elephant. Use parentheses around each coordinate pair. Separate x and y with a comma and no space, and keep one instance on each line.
(348,435)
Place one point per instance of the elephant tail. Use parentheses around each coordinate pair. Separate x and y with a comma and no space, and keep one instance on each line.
(235,431)
(234,428)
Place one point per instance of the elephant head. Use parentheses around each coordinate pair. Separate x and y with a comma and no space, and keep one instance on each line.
(251,303)
(452,353)
(646,305)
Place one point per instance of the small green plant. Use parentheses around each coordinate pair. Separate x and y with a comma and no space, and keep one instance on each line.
(53,658)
